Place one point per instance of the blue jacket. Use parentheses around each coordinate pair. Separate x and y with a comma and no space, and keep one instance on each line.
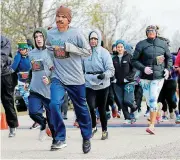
(21,66)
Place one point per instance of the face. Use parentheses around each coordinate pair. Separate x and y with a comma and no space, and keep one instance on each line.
(120,48)
(151,33)
(23,51)
(93,42)
(61,21)
(39,39)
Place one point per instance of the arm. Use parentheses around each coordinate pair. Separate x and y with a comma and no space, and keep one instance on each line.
(16,61)
(5,50)
(82,46)
(131,74)
(135,59)
(108,65)
(177,61)
(168,58)
(69,47)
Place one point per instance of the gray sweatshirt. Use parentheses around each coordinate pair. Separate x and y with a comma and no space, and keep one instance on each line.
(68,69)
(99,61)
(41,63)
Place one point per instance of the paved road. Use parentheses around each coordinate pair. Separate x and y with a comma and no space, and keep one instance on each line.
(125,142)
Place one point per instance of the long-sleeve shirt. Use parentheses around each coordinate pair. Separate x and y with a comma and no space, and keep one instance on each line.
(67,69)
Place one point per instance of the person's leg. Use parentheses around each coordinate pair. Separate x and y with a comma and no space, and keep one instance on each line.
(119,94)
(57,99)
(65,106)
(77,93)
(36,110)
(101,103)
(170,93)
(155,88)
(91,101)
(129,100)
(7,98)
(46,102)
(138,93)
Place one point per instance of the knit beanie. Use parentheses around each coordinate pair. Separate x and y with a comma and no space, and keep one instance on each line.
(22,44)
(121,42)
(64,11)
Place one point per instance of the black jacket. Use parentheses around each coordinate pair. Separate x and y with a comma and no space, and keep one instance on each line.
(124,70)
(145,55)
(6,57)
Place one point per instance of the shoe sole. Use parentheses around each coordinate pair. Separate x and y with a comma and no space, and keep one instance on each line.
(57,148)
(149,131)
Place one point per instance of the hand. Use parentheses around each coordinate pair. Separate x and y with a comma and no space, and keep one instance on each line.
(101,76)
(148,70)
(26,86)
(46,80)
(166,74)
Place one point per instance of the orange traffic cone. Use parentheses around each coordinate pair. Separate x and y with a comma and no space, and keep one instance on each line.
(3,122)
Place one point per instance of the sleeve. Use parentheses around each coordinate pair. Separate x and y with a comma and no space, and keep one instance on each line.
(82,48)
(108,65)
(5,50)
(168,58)
(16,61)
(49,47)
(177,61)
(131,75)
(136,59)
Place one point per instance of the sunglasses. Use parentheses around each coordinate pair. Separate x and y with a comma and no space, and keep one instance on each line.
(151,31)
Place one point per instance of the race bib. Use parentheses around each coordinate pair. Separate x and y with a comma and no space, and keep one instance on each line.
(60,53)
(24,75)
(37,65)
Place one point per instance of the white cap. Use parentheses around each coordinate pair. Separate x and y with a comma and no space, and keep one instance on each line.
(94,35)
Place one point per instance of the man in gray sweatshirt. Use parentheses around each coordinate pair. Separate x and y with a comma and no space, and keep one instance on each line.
(68,76)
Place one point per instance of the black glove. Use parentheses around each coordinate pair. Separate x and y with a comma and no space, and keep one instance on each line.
(101,76)
(112,78)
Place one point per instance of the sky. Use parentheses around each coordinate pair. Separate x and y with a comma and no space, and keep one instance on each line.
(165,13)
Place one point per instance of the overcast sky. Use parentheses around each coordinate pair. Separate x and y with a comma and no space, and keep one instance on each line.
(165,13)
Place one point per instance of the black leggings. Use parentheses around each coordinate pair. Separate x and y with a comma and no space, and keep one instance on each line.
(98,98)
(166,96)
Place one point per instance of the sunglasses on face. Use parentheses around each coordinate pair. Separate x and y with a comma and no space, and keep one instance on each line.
(151,31)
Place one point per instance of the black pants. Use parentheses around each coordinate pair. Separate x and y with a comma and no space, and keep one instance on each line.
(110,99)
(138,93)
(98,98)
(7,98)
(166,96)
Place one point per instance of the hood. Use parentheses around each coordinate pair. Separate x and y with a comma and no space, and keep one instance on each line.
(44,32)
(99,36)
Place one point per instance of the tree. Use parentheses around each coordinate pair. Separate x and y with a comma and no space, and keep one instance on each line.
(116,22)
(175,41)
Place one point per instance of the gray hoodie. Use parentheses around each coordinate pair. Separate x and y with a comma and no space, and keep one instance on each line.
(99,61)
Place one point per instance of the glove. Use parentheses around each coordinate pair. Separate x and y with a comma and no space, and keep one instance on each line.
(46,80)
(166,74)
(101,76)
(125,80)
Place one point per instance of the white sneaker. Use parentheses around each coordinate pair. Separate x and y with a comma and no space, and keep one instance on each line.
(42,135)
